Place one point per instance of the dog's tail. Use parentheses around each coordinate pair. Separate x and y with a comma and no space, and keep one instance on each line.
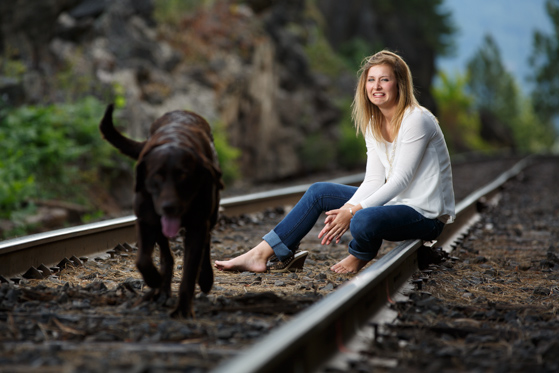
(125,145)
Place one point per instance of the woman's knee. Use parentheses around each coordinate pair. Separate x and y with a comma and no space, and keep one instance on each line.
(318,188)
(317,191)
(366,243)
(362,227)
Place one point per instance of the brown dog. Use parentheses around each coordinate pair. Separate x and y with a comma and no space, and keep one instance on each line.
(177,185)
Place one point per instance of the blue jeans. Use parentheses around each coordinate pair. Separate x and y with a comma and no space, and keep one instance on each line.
(369,227)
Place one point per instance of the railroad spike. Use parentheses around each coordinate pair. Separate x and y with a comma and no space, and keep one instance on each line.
(76,261)
(33,274)
(4,280)
(45,270)
(64,262)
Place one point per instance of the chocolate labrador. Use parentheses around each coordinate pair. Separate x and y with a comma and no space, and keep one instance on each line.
(177,185)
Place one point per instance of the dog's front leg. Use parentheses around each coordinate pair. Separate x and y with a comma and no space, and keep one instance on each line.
(206,276)
(144,262)
(166,267)
(160,285)
(194,241)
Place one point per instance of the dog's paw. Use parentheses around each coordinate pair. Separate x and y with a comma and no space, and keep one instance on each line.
(181,313)
(158,296)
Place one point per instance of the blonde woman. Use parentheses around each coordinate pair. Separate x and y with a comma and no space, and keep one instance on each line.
(407,191)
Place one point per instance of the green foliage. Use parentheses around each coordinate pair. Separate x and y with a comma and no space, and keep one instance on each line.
(48,151)
(317,152)
(119,93)
(172,11)
(228,155)
(322,57)
(490,82)
(71,82)
(457,115)
(496,91)
(10,66)
(531,134)
(431,22)
(545,60)
(354,51)
(351,150)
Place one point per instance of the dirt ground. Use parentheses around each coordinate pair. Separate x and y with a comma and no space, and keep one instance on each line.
(85,317)
(493,304)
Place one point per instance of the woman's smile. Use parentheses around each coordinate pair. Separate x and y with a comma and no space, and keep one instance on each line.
(381,86)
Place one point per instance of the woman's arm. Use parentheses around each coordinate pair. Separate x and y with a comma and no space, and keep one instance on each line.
(374,174)
(414,137)
(337,221)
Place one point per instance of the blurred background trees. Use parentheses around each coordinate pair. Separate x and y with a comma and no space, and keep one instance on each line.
(274,78)
(545,60)
(507,115)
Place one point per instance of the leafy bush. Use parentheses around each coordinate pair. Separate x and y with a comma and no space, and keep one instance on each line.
(317,153)
(49,152)
(457,115)
(352,151)
(321,57)
(349,150)
(227,154)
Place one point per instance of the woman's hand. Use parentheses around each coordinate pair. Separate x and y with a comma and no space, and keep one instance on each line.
(336,224)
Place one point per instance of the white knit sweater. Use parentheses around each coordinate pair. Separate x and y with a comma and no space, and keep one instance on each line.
(421,176)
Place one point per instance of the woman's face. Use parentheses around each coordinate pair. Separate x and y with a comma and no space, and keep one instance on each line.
(381,86)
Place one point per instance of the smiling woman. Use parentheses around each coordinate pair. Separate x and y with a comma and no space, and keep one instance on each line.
(381,86)
(407,191)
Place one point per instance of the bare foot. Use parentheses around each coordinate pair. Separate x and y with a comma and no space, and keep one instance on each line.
(253,260)
(349,265)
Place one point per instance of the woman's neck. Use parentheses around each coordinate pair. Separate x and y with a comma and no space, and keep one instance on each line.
(388,128)
(388,113)
(387,131)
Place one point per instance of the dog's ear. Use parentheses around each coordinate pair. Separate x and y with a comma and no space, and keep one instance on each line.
(140,176)
(212,169)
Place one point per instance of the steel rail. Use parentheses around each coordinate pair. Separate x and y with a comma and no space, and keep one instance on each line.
(311,337)
(324,329)
(19,254)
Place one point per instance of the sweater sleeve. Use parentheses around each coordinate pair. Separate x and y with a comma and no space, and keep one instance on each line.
(374,174)
(415,133)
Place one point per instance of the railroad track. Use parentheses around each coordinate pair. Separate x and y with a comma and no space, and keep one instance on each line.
(325,328)
(332,321)
(20,255)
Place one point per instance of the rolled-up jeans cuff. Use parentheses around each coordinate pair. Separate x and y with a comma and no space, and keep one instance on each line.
(280,249)
(361,255)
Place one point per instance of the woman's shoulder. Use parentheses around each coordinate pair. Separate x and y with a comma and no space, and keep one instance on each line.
(420,119)
(419,113)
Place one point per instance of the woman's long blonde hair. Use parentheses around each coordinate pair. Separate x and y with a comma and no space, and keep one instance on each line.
(364,113)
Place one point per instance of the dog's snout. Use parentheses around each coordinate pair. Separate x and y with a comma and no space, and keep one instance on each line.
(170,209)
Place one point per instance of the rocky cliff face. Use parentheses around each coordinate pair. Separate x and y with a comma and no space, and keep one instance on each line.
(239,64)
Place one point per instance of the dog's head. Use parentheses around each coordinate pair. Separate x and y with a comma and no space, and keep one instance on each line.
(173,176)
